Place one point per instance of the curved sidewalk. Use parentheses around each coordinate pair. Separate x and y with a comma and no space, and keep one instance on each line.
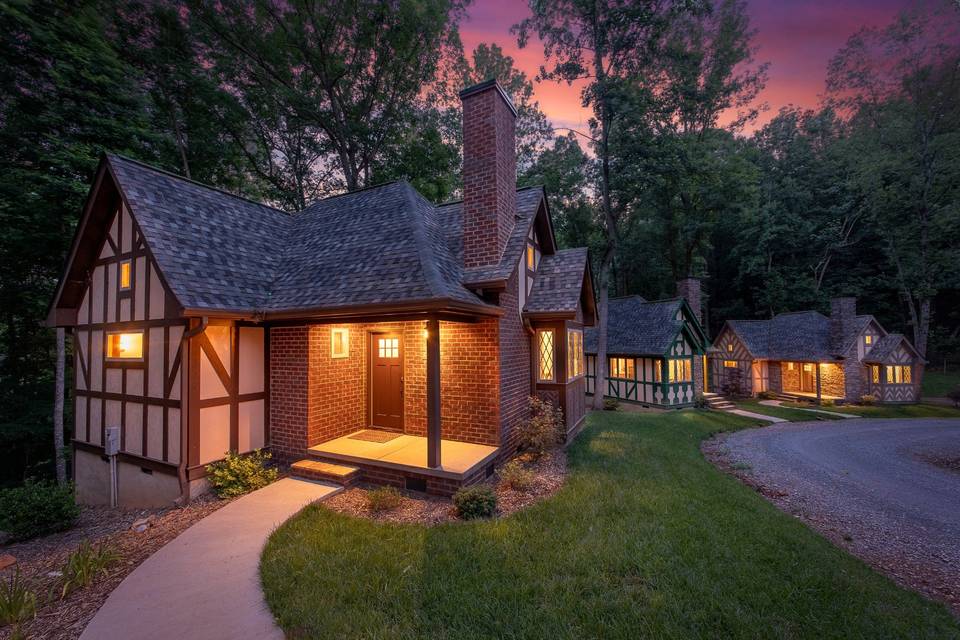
(205,583)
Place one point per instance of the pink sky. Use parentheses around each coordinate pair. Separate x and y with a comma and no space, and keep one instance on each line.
(797,38)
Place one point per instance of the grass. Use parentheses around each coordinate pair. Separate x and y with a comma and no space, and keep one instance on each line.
(646,539)
(791,412)
(936,384)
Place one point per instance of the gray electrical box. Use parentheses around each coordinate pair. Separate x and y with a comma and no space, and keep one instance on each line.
(112,445)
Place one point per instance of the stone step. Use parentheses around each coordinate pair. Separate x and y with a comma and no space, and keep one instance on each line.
(723,406)
(710,394)
(341,474)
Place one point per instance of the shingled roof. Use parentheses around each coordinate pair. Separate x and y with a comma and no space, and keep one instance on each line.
(885,347)
(528,203)
(799,335)
(559,283)
(636,327)
(378,246)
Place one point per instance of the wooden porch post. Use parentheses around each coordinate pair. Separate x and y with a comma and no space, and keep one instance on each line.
(817,365)
(433,393)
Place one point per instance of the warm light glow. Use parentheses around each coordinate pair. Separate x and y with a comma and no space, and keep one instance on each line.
(426,334)
(730,364)
(545,368)
(679,370)
(531,257)
(339,343)
(622,368)
(868,339)
(729,346)
(574,353)
(388,347)
(875,373)
(125,274)
(125,346)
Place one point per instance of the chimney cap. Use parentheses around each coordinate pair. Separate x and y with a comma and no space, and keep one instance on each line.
(480,87)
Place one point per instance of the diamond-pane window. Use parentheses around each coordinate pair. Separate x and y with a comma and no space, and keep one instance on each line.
(545,359)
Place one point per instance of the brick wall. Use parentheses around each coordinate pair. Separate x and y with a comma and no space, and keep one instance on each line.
(315,397)
(514,365)
(489,176)
(832,380)
(288,391)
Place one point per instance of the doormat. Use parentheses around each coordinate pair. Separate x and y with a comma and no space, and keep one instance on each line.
(372,435)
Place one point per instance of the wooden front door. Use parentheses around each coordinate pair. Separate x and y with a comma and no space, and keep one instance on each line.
(386,380)
(808,379)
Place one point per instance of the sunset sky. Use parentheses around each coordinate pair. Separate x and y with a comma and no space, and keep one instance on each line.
(797,38)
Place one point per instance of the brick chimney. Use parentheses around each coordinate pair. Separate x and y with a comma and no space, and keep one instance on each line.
(489,173)
(689,289)
(843,311)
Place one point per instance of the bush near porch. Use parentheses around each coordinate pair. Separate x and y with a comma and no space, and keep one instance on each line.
(646,539)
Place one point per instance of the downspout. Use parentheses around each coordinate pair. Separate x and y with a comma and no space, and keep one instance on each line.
(184,496)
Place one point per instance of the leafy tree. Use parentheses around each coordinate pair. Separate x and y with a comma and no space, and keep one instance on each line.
(65,96)
(607,43)
(324,84)
(900,86)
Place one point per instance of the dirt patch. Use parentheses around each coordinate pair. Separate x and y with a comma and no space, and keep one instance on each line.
(889,552)
(550,471)
(41,559)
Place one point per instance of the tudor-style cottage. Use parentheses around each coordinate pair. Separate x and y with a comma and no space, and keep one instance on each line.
(655,350)
(371,335)
(807,355)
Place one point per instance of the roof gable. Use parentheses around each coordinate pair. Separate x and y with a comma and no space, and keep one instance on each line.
(638,327)
(562,285)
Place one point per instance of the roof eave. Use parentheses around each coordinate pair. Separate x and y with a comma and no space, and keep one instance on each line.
(427,307)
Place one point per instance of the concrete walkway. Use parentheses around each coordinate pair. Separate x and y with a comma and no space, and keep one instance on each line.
(205,583)
(756,416)
(778,403)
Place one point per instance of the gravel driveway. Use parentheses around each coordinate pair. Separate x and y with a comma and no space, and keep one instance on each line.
(886,490)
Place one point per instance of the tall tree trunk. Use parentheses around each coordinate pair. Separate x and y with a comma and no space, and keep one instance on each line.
(58,408)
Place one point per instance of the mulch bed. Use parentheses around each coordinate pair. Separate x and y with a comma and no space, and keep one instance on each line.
(38,559)
(916,573)
(550,471)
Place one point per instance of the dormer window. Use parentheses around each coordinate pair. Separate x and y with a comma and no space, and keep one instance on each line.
(125,278)
(868,339)
(531,258)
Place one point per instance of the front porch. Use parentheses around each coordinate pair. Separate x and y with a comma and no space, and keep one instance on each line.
(408,454)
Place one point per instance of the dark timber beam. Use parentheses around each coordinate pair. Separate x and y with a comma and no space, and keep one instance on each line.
(433,393)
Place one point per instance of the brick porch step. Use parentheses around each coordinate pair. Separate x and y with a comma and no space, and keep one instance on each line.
(315,470)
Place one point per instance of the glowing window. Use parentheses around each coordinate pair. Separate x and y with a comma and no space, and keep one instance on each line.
(868,340)
(388,347)
(730,347)
(875,373)
(907,375)
(340,343)
(545,360)
(678,370)
(125,346)
(574,353)
(730,364)
(658,370)
(531,258)
(790,366)
(899,374)
(125,274)
(622,368)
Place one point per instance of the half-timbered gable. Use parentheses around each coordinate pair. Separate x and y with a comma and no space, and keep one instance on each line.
(654,352)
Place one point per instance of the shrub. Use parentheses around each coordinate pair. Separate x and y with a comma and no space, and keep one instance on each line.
(383,499)
(611,404)
(868,399)
(516,476)
(767,395)
(85,564)
(828,402)
(238,474)
(18,603)
(543,430)
(37,508)
(700,402)
(954,394)
(478,501)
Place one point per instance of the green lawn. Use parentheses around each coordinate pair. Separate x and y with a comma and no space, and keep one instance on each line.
(786,412)
(645,540)
(791,411)
(936,384)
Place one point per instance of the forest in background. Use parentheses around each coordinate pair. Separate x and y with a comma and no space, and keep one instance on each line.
(290,102)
